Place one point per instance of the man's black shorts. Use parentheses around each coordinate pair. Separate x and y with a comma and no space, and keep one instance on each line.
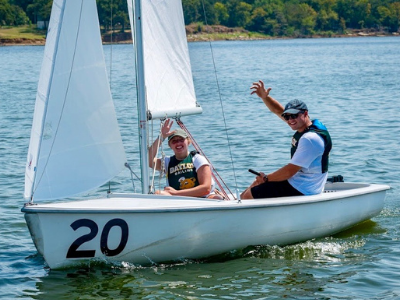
(272,189)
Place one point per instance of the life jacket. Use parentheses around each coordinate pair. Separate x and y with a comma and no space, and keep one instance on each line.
(321,130)
(182,174)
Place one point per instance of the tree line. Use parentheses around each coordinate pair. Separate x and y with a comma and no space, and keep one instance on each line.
(271,17)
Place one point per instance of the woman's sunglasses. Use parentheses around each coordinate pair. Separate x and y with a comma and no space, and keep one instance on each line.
(176,141)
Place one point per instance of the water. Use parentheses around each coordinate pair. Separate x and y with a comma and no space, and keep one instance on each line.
(352,85)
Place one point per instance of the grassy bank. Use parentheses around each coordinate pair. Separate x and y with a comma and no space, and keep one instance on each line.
(22,35)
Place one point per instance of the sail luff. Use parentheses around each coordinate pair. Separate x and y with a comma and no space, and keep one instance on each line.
(42,98)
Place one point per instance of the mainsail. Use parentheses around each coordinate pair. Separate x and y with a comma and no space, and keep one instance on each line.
(168,75)
(75,141)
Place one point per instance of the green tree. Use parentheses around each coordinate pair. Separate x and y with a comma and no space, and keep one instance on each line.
(327,20)
(20,17)
(356,13)
(221,13)
(5,13)
(301,17)
(11,14)
(39,10)
(259,21)
(395,16)
(192,11)
(239,13)
(389,16)
(22,3)
(119,16)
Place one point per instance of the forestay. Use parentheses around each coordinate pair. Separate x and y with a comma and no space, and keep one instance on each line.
(168,75)
(75,141)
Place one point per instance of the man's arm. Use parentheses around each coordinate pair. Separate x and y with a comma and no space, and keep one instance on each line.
(272,104)
(282,174)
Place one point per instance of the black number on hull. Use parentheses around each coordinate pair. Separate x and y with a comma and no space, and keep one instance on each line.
(106,231)
(73,251)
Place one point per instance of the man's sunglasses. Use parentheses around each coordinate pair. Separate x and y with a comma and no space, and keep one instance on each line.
(287,117)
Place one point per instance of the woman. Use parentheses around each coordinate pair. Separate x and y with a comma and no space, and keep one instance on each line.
(188,173)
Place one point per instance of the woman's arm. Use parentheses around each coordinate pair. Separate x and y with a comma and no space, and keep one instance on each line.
(165,132)
(154,163)
(203,189)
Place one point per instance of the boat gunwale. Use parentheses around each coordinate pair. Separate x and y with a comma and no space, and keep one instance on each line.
(208,205)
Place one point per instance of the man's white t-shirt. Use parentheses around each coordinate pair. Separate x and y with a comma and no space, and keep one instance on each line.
(309,180)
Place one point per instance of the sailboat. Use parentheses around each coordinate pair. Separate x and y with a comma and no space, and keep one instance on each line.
(76,146)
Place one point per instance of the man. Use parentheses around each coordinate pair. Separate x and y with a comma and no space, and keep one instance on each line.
(307,171)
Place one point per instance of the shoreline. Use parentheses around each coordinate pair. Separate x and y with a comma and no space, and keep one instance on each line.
(204,37)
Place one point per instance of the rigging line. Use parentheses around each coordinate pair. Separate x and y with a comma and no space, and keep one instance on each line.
(154,161)
(130,169)
(111,59)
(64,102)
(220,99)
(162,166)
(214,172)
(159,146)
(111,39)
(132,173)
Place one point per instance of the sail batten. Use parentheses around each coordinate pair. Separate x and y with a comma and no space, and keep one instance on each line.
(75,142)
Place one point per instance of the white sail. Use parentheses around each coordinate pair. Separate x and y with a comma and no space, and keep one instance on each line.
(168,75)
(75,141)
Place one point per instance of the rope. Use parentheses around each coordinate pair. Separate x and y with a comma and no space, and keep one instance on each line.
(110,79)
(132,173)
(159,145)
(222,106)
(216,176)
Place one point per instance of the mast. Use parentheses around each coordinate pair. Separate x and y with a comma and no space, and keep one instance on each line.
(141,96)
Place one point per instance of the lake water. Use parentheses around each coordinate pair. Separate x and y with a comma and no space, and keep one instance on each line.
(351,84)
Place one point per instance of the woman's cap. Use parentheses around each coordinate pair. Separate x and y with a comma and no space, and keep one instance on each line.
(178,132)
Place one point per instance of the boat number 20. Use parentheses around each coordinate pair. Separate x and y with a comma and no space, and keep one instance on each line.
(73,251)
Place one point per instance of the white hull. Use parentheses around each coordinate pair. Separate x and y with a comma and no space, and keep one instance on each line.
(143,229)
